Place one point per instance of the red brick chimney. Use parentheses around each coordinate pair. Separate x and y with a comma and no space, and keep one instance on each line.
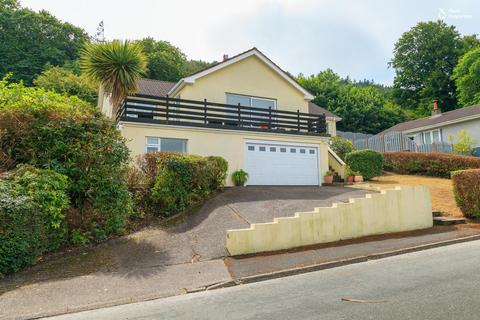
(436,110)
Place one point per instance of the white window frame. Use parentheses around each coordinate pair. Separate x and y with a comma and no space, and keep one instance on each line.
(431,136)
(252,97)
(159,144)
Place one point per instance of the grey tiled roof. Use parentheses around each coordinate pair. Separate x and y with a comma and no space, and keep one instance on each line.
(315,109)
(154,88)
(436,120)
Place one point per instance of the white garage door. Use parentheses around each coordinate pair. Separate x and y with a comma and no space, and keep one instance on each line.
(272,163)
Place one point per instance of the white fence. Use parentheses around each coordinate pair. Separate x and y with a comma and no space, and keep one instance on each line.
(353,136)
(396,141)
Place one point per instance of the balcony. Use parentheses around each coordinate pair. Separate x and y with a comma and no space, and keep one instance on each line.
(191,113)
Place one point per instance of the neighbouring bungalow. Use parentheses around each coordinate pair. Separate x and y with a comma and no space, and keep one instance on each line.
(441,125)
(245,109)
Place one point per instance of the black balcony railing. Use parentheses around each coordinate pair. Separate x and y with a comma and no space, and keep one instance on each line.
(165,110)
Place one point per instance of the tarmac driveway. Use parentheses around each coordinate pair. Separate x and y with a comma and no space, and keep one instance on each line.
(200,237)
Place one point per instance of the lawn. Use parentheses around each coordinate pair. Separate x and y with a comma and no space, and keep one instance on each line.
(441,190)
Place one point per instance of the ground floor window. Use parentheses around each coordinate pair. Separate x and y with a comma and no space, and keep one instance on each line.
(433,136)
(154,144)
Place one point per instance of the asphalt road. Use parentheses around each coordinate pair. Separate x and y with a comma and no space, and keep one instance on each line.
(441,283)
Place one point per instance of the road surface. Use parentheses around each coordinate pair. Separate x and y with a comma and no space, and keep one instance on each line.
(441,283)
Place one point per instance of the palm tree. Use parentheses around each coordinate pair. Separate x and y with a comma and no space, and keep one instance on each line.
(116,66)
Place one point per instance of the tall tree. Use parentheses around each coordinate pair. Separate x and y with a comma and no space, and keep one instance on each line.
(31,40)
(116,66)
(363,106)
(424,58)
(193,66)
(467,78)
(165,62)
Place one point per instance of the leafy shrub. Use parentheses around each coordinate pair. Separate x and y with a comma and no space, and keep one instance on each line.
(428,164)
(167,183)
(341,146)
(64,81)
(217,167)
(463,143)
(368,163)
(70,136)
(239,177)
(32,205)
(466,188)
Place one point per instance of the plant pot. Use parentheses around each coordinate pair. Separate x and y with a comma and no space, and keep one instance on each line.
(358,179)
(240,184)
(350,179)
(328,179)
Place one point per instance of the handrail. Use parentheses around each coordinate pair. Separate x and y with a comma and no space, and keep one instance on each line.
(166,110)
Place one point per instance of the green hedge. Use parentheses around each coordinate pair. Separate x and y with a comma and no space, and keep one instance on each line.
(69,136)
(428,164)
(32,220)
(466,188)
(167,183)
(368,163)
(341,146)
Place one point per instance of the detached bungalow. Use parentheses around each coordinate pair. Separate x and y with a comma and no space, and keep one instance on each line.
(439,126)
(245,109)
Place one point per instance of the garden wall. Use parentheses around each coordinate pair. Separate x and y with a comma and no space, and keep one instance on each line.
(393,210)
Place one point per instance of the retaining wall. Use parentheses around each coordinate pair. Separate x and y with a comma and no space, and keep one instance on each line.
(392,210)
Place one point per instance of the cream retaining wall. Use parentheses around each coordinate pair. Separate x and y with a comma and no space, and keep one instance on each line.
(392,210)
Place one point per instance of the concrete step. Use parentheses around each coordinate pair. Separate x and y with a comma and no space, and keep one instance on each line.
(444,221)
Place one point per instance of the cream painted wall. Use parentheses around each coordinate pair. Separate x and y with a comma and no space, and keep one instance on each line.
(394,210)
(249,76)
(211,142)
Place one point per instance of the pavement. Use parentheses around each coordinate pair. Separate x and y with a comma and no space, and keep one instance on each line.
(160,262)
(440,283)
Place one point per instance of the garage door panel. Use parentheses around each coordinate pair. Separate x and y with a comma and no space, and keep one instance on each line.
(276,164)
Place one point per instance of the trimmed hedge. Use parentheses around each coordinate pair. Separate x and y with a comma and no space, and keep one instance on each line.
(368,163)
(166,183)
(65,134)
(428,164)
(466,187)
(32,220)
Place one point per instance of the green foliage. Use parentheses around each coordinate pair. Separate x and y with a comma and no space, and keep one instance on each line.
(64,81)
(363,107)
(467,191)
(167,183)
(424,58)
(67,135)
(368,163)
(341,146)
(217,168)
(193,66)
(116,65)
(30,40)
(173,188)
(463,143)
(165,62)
(467,78)
(428,164)
(239,177)
(32,221)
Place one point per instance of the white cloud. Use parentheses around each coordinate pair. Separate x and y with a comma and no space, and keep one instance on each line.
(353,38)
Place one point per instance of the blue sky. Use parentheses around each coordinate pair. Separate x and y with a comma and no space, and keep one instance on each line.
(353,38)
